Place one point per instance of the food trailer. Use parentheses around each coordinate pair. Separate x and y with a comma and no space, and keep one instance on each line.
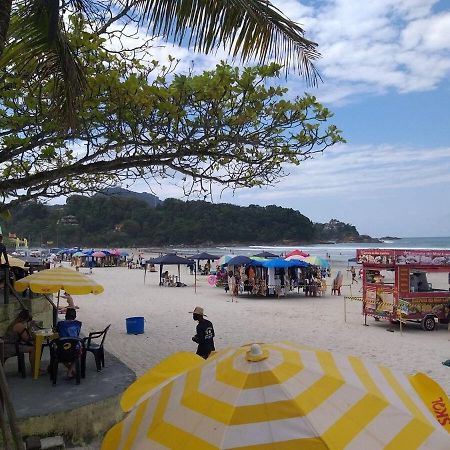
(411,285)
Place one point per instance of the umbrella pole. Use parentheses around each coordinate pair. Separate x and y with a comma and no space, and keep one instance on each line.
(179,276)
(55,318)
(145,271)
(160,274)
(195,279)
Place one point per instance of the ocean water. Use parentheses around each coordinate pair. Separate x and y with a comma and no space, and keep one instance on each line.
(337,252)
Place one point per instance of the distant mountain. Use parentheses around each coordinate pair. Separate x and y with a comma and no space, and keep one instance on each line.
(150,199)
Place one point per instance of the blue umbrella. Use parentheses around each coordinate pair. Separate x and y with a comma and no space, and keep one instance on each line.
(124,253)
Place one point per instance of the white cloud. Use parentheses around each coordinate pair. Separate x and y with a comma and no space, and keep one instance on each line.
(372,47)
(367,47)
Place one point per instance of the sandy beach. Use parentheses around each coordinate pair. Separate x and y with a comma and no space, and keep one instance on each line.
(316,321)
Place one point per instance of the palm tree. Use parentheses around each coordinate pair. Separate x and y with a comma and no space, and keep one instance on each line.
(32,36)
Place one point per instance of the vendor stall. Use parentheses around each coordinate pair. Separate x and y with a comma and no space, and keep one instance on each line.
(410,285)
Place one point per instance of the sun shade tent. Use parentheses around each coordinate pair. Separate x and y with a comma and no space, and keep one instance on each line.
(204,256)
(242,261)
(280,395)
(171,259)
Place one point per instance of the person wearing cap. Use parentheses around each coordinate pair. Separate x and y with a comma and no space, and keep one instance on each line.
(205,333)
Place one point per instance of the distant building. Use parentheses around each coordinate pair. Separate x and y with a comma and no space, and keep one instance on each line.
(68,220)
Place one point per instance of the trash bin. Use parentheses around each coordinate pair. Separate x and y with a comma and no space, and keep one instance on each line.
(135,325)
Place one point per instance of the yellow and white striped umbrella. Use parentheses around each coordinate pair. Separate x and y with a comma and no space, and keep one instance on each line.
(281,396)
(16,262)
(52,280)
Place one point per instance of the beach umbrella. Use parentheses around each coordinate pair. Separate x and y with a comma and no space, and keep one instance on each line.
(317,261)
(223,260)
(53,280)
(16,262)
(240,261)
(265,254)
(297,253)
(78,254)
(98,254)
(280,396)
(124,253)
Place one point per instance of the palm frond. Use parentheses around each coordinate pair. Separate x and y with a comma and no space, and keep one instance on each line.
(250,29)
(38,48)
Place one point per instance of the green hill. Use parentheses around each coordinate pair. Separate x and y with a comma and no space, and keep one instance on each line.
(121,221)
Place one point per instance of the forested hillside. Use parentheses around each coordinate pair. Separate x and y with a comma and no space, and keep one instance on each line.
(119,222)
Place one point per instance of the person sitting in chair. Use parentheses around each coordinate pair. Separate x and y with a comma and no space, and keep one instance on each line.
(18,337)
(70,327)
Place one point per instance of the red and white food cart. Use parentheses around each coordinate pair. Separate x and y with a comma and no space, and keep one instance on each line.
(411,284)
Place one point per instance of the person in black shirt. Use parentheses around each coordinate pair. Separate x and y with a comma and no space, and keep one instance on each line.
(205,333)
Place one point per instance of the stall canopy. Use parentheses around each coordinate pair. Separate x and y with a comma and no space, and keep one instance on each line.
(279,263)
(265,254)
(202,256)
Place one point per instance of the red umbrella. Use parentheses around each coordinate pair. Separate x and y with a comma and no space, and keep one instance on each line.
(98,254)
(297,253)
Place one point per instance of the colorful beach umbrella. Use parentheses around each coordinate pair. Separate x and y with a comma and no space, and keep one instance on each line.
(224,259)
(317,261)
(297,253)
(78,254)
(53,280)
(98,254)
(280,396)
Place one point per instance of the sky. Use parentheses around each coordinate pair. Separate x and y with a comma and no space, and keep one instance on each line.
(385,67)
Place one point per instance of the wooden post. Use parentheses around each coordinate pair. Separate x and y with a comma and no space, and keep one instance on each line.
(17,436)
(6,285)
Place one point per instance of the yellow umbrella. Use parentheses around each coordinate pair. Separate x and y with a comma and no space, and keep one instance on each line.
(16,262)
(280,396)
(52,280)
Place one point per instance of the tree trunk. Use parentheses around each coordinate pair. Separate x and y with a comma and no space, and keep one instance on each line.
(5,16)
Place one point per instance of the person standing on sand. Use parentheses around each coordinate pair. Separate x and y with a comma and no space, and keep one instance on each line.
(353,272)
(205,333)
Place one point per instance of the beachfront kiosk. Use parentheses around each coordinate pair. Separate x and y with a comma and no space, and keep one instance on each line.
(413,285)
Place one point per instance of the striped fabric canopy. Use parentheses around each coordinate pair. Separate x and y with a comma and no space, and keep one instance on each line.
(280,396)
(52,280)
